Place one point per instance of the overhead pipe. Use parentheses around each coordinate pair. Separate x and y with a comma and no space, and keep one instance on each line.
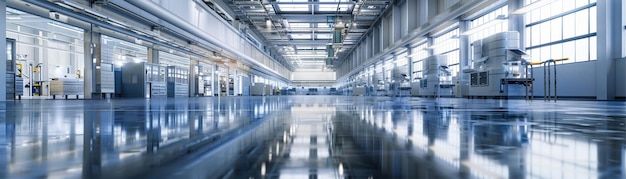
(164,14)
(82,17)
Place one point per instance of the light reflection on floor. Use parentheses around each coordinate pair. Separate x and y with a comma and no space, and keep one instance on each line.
(312,137)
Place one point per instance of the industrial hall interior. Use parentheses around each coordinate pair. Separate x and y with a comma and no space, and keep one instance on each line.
(272,89)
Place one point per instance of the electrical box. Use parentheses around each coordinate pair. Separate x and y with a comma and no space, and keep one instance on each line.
(144,80)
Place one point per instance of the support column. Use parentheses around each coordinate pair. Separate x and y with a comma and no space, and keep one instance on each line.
(464,56)
(153,55)
(3,67)
(409,63)
(194,70)
(384,71)
(372,84)
(394,82)
(609,47)
(92,61)
(214,80)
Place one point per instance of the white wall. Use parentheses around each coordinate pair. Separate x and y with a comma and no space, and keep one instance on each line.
(313,76)
(573,80)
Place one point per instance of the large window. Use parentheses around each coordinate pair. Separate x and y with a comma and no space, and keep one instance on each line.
(500,26)
(418,54)
(564,28)
(448,45)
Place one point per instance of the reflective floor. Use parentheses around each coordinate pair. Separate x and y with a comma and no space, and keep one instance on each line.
(312,137)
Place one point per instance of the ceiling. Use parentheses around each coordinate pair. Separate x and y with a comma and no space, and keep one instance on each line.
(300,30)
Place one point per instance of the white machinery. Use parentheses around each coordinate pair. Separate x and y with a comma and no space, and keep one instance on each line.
(437,79)
(379,85)
(498,69)
(257,89)
(359,89)
(66,87)
(415,88)
(401,81)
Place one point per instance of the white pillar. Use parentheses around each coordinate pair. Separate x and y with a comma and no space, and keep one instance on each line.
(609,46)
(3,67)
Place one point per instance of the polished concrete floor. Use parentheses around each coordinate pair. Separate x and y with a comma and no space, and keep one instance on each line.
(312,137)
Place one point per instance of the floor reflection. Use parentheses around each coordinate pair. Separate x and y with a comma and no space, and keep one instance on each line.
(312,137)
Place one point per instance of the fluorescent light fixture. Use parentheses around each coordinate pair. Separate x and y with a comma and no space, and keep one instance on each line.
(333,7)
(532,6)
(300,36)
(323,36)
(295,55)
(496,21)
(293,7)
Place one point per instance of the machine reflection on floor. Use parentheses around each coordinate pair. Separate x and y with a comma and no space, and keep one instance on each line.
(312,137)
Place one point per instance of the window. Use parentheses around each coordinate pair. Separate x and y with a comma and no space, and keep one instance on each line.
(448,45)
(500,26)
(564,28)
(418,54)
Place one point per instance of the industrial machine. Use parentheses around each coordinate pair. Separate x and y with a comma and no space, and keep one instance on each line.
(66,87)
(177,81)
(257,89)
(105,77)
(499,69)
(380,87)
(144,80)
(360,88)
(401,83)
(437,79)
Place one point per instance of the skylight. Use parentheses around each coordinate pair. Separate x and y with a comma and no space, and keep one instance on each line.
(300,36)
(293,7)
(323,36)
(299,25)
(333,7)
(324,25)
